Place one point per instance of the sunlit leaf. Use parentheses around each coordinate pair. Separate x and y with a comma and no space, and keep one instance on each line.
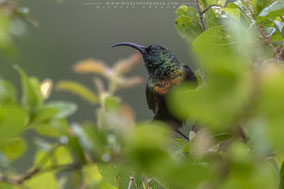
(44,181)
(14,148)
(7,186)
(61,156)
(31,97)
(281,185)
(118,175)
(187,23)
(12,122)
(46,88)
(273,10)
(7,93)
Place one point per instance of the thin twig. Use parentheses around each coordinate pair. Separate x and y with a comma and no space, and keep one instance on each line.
(205,10)
(200,15)
(276,51)
(130,182)
(38,171)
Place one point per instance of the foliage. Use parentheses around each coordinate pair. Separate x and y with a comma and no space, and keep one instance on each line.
(237,109)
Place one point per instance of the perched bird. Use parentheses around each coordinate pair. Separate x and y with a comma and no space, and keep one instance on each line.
(164,71)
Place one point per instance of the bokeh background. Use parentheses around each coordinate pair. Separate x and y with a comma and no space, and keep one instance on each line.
(72,30)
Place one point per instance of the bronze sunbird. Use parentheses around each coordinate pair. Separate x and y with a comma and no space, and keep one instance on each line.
(164,71)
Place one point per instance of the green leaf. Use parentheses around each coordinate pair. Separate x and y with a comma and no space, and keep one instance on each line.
(221,98)
(7,93)
(90,138)
(43,181)
(269,31)
(14,148)
(61,156)
(52,128)
(118,175)
(111,103)
(233,12)
(274,10)
(78,89)
(76,149)
(244,8)
(64,109)
(12,122)
(259,5)
(7,186)
(279,25)
(281,185)
(187,23)
(270,108)
(31,98)
(6,45)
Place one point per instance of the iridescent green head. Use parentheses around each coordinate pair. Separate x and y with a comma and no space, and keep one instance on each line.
(156,57)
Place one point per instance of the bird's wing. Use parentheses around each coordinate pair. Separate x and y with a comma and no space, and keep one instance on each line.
(151,98)
(189,75)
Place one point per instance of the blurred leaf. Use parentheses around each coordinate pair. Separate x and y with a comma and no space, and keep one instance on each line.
(46,88)
(7,186)
(269,31)
(259,5)
(7,93)
(14,148)
(43,181)
(124,66)
(52,128)
(76,149)
(281,185)
(219,100)
(273,10)
(111,103)
(270,107)
(279,25)
(64,109)
(31,97)
(92,66)
(90,138)
(92,174)
(244,8)
(61,156)
(118,175)
(233,12)
(12,122)
(6,45)
(78,89)
(187,23)
(129,82)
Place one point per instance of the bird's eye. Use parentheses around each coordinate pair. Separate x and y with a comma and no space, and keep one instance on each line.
(153,51)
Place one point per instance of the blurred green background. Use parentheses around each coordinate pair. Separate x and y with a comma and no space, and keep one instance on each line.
(71,31)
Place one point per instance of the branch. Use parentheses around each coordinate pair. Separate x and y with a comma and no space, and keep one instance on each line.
(205,10)
(200,15)
(277,51)
(130,182)
(30,174)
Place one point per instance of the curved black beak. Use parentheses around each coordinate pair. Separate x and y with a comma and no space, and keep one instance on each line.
(140,48)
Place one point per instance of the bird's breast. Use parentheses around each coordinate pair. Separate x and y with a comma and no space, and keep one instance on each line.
(162,86)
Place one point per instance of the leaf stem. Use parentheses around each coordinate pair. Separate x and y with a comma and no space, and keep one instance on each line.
(205,10)
(200,15)
(277,51)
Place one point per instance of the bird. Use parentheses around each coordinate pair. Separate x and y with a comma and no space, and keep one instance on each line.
(164,72)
